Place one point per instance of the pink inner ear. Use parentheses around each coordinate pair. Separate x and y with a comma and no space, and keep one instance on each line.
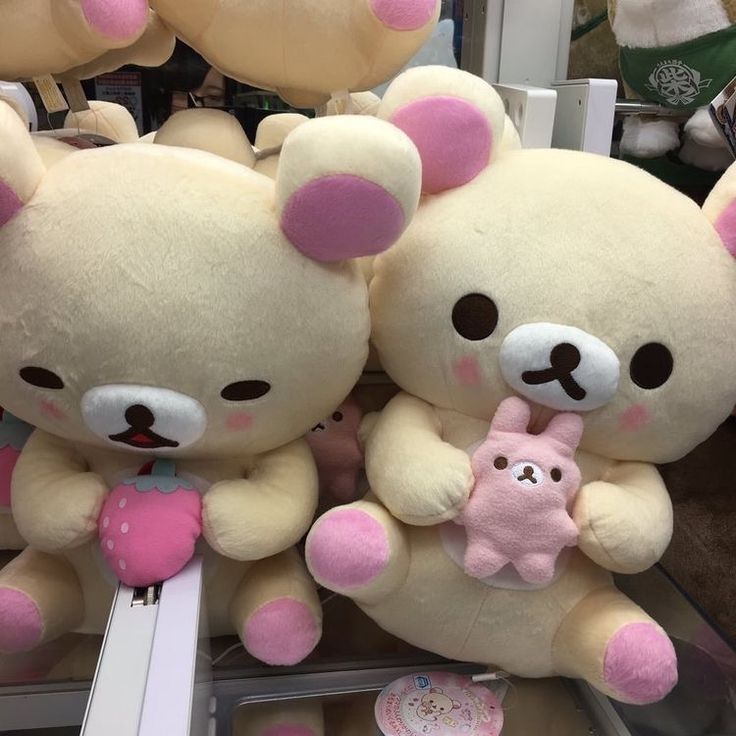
(342,216)
(726,227)
(454,139)
(116,19)
(10,205)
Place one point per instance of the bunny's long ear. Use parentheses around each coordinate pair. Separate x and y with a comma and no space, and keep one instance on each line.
(347,186)
(21,169)
(513,415)
(455,119)
(566,428)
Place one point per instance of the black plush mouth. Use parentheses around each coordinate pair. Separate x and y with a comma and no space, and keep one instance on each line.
(318,427)
(564,359)
(143,439)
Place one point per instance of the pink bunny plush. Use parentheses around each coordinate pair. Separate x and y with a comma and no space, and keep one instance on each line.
(524,486)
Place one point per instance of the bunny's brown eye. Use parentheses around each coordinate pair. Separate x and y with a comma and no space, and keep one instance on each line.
(337,416)
(556,475)
(500,463)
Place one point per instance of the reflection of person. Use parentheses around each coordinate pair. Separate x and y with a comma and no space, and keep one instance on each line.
(211,93)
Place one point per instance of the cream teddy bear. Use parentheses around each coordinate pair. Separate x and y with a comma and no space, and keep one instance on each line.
(680,54)
(188,323)
(79,39)
(581,284)
(308,50)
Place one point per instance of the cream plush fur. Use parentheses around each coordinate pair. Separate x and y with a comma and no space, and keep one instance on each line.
(79,39)
(666,23)
(185,286)
(305,50)
(569,246)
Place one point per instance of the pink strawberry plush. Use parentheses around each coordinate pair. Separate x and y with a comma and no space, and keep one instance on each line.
(149,526)
(13,436)
(518,511)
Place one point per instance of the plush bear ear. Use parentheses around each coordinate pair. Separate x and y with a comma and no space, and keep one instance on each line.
(455,119)
(720,208)
(346,187)
(513,415)
(566,428)
(21,169)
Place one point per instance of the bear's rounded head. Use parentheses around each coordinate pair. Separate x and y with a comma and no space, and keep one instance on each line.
(166,300)
(576,281)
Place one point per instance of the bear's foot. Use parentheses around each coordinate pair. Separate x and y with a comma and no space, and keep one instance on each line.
(21,625)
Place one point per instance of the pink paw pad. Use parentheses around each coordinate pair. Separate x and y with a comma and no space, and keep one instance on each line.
(347,549)
(149,527)
(288,729)
(116,19)
(404,15)
(342,216)
(454,139)
(282,632)
(640,664)
(21,626)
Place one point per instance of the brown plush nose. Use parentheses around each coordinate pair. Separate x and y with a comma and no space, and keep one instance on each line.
(527,474)
(139,416)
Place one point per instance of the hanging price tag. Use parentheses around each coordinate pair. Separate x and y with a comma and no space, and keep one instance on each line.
(75,95)
(51,96)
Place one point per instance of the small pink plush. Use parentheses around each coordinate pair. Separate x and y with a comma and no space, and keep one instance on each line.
(524,486)
(338,453)
(149,526)
(13,436)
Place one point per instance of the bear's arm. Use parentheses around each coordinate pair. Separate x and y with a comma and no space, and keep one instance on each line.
(419,477)
(267,512)
(625,519)
(55,500)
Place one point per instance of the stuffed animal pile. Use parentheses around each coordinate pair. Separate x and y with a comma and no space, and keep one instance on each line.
(183,321)
(537,274)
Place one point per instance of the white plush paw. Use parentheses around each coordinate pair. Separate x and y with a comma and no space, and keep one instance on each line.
(702,130)
(705,157)
(649,138)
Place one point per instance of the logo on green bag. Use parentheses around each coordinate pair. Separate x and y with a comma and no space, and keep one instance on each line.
(676,82)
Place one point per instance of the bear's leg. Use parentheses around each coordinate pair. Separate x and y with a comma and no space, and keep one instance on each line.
(482,560)
(276,610)
(536,568)
(40,599)
(610,642)
(359,550)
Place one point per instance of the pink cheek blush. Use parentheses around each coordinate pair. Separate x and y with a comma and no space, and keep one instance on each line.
(467,371)
(51,410)
(634,418)
(239,422)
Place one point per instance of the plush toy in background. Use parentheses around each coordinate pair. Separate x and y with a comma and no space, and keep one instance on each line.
(573,281)
(79,39)
(336,448)
(524,484)
(148,346)
(13,436)
(354,45)
(679,54)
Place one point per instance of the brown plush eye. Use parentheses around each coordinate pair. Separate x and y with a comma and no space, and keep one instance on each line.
(556,475)
(475,316)
(500,463)
(245,390)
(651,366)
(337,416)
(41,378)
